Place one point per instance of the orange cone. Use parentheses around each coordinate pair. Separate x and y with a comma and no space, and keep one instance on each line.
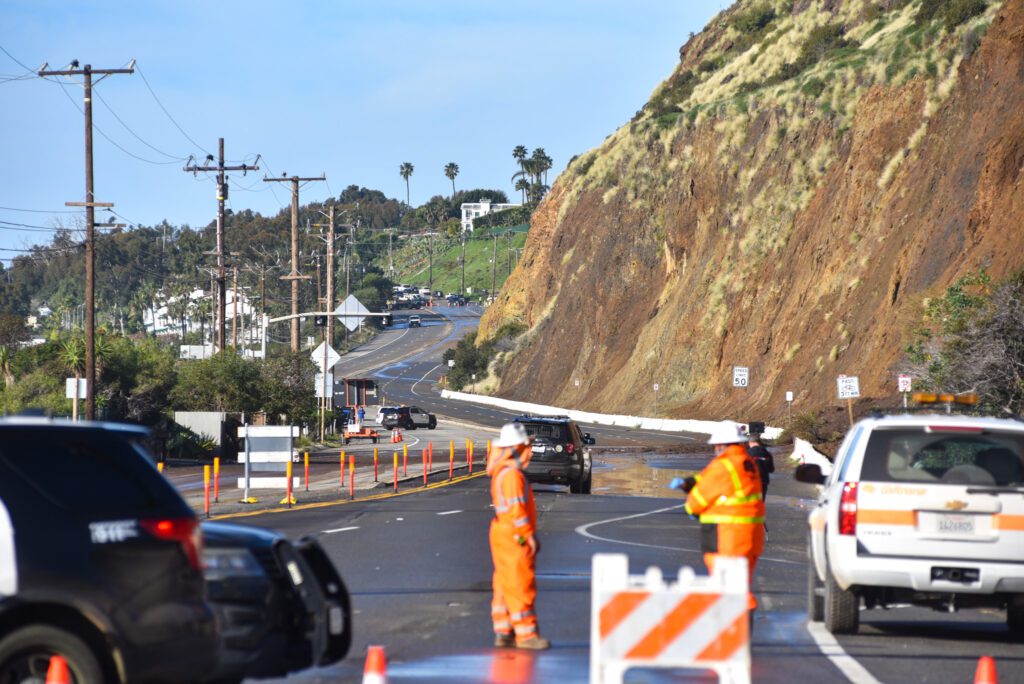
(986,672)
(57,672)
(376,669)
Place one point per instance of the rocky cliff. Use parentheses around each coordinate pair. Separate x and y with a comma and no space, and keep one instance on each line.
(808,176)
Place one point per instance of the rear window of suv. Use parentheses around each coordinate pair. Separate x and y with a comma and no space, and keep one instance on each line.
(944,457)
(547,431)
(89,471)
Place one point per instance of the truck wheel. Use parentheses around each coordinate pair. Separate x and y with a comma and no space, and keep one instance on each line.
(585,487)
(432,424)
(25,655)
(576,486)
(815,589)
(842,608)
(1015,614)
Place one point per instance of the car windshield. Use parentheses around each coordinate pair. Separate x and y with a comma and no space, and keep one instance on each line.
(545,431)
(927,455)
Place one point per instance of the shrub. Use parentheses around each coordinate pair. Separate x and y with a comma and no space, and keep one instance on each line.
(753,20)
(813,87)
(676,90)
(960,11)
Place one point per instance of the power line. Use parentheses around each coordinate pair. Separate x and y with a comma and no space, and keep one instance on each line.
(167,113)
(44,211)
(137,137)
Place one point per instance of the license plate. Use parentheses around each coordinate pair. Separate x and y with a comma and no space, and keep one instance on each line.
(955,524)
(537,450)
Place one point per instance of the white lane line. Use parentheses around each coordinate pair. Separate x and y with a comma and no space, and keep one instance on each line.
(844,662)
(340,529)
(413,388)
(449,512)
(584,530)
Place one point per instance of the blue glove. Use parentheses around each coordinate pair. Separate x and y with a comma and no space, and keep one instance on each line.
(676,483)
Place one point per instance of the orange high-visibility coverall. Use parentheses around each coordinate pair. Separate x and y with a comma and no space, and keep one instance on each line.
(728,499)
(515,521)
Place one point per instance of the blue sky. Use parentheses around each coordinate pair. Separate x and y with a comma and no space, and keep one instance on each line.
(347,88)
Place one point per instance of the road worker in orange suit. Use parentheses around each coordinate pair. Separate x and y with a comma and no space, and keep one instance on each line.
(514,543)
(727,497)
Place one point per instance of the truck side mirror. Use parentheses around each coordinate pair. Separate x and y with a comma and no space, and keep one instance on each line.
(809,473)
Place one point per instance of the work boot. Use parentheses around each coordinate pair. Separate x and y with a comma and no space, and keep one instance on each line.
(504,641)
(534,643)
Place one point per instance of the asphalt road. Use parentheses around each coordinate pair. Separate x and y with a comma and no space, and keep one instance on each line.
(419,570)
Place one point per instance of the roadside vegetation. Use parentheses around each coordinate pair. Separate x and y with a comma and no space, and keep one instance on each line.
(480,365)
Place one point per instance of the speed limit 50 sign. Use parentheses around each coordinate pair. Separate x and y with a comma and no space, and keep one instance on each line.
(740,376)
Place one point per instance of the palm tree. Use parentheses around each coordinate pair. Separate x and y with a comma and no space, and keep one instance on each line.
(523,185)
(72,357)
(7,366)
(405,170)
(519,155)
(451,170)
(544,162)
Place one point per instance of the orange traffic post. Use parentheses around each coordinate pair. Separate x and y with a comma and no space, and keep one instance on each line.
(341,469)
(405,460)
(206,489)
(396,472)
(375,469)
(451,449)
(352,477)
(57,671)
(488,451)
(216,479)
(469,455)
(424,467)
(986,673)
(288,484)
(306,463)
(160,466)
(451,464)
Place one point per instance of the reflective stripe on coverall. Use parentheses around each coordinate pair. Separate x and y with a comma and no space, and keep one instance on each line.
(728,499)
(515,520)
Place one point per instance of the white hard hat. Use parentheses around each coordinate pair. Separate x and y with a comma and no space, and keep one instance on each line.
(512,434)
(727,432)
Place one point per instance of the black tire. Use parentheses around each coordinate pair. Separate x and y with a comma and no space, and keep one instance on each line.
(1015,614)
(432,424)
(842,608)
(585,487)
(410,425)
(576,486)
(815,589)
(25,655)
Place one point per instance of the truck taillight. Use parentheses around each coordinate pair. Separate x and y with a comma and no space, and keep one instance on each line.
(185,531)
(570,447)
(848,509)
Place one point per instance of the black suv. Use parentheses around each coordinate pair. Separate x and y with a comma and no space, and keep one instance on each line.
(409,418)
(560,453)
(100,559)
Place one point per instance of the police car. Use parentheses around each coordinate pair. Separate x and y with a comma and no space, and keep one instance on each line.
(921,509)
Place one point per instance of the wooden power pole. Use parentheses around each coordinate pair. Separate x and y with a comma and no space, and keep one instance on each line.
(90,205)
(222,194)
(294,275)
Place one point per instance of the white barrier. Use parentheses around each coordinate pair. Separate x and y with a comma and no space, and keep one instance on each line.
(653,424)
(640,621)
(268,449)
(803,452)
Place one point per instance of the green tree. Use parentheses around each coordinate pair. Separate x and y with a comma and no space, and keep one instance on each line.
(405,171)
(519,154)
(223,382)
(7,366)
(451,170)
(286,386)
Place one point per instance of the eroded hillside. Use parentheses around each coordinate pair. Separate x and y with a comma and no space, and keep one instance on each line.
(807,177)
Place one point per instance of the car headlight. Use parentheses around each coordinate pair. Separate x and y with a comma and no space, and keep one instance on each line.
(220,564)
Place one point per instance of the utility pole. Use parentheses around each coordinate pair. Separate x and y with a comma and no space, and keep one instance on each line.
(294,275)
(494,264)
(430,249)
(234,310)
(329,298)
(463,293)
(90,205)
(222,194)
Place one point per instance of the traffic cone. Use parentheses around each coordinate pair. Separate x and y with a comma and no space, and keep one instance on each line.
(400,436)
(986,672)
(376,669)
(392,436)
(57,672)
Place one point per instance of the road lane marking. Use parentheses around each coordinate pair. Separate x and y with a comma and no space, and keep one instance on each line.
(413,388)
(845,663)
(449,512)
(584,530)
(340,529)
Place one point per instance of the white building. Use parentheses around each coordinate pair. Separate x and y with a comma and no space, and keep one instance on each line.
(474,210)
(167,324)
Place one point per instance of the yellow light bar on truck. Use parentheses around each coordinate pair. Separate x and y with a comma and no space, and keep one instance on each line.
(967,398)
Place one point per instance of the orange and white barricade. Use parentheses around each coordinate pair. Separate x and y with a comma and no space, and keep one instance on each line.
(642,621)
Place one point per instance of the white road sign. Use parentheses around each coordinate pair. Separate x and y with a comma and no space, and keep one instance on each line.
(740,376)
(655,387)
(319,385)
(351,312)
(848,386)
(904,383)
(789,396)
(69,388)
(318,357)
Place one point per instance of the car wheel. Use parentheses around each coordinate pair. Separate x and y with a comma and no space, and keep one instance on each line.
(1015,614)
(25,655)
(815,589)
(409,425)
(432,424)
(842,607)
(585,487)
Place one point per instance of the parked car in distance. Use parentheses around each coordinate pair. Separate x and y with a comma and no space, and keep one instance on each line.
(281,606)
(414,321)
(409,418)
(560,453)
(382,412)
(925,509)
(100,559)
